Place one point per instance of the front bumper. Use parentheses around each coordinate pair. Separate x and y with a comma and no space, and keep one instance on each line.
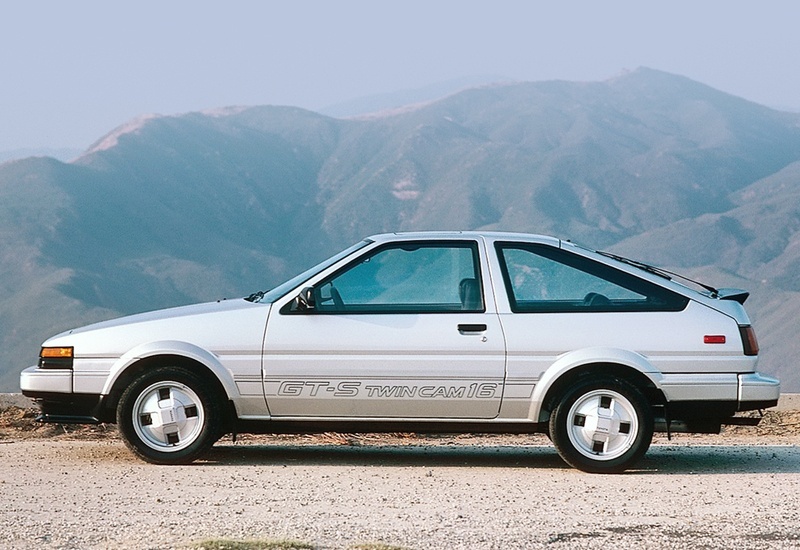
(52,391)
(36,380)
(70,408)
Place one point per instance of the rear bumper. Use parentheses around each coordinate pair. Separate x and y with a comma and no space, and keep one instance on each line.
(758,391)
(744,392)
(703,403)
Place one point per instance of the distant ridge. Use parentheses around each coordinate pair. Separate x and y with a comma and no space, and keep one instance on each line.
(167,210)
(404,99)
(61,153)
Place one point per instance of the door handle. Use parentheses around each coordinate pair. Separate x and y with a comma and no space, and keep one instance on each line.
(463,329)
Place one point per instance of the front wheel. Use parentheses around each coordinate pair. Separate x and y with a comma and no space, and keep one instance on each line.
(602,425)
(169,416)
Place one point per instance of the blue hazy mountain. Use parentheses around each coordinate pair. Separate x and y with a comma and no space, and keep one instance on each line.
(167,210)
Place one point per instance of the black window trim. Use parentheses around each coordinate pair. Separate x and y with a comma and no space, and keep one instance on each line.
(673,301)
(402,309)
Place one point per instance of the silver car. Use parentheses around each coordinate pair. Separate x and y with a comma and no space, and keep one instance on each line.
(423,332)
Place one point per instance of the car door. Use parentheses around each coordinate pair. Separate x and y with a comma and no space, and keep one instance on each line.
(406,330)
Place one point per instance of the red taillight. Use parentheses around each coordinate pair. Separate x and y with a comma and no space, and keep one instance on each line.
(749,341)
(714,339)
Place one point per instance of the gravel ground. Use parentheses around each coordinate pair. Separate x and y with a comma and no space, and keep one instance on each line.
(94,494)
(80,489)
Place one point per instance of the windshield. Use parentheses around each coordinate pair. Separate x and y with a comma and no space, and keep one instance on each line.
(280,290)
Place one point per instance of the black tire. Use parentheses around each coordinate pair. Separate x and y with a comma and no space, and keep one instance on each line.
(169,415)
(602,425)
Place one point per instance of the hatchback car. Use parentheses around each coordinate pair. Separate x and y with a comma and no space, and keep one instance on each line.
(423,332)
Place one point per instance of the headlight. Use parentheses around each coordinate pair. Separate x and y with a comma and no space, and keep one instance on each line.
(56,358)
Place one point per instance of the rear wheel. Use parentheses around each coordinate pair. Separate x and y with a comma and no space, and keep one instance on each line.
(602,425)
(169,415)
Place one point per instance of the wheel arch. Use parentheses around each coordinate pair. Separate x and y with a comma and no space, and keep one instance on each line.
(622,364)
(162,354)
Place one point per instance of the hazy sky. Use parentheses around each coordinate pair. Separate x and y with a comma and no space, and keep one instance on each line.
(72,71)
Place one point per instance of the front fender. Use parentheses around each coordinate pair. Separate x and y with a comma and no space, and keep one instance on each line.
(171,347)
(569,362)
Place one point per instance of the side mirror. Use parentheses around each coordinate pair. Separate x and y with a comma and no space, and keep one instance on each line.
(305,300)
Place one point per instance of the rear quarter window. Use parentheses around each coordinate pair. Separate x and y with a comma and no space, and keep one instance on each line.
(544,279)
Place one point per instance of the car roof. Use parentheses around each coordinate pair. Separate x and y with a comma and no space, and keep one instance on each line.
(448,235)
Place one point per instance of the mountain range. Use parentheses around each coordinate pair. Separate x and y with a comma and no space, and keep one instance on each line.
(168,210)
(63,153)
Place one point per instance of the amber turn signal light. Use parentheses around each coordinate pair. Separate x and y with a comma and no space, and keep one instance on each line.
(56,358)
(56,352)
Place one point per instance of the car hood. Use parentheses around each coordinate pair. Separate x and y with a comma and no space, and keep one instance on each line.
(212,325)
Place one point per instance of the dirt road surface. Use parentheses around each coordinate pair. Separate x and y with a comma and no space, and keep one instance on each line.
(76,490)
(94,494)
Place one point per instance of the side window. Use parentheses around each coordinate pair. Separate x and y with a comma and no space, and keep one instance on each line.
(410,277)
(541,279)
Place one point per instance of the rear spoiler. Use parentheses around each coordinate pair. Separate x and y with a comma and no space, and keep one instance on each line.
(735,294)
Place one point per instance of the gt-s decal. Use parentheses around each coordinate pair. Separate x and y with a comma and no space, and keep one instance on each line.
(302,388)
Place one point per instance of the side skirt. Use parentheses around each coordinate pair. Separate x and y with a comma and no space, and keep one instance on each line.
(367,426)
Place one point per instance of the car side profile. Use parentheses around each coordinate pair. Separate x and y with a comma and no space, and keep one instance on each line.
(426,332)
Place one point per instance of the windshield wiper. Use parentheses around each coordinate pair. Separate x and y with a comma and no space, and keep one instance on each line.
(661,272)
(256,297)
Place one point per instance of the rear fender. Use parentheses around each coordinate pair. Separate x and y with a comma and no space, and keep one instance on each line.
(600,358)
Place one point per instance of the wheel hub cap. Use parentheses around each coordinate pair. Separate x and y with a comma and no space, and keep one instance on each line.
(168,416)
(602,424)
